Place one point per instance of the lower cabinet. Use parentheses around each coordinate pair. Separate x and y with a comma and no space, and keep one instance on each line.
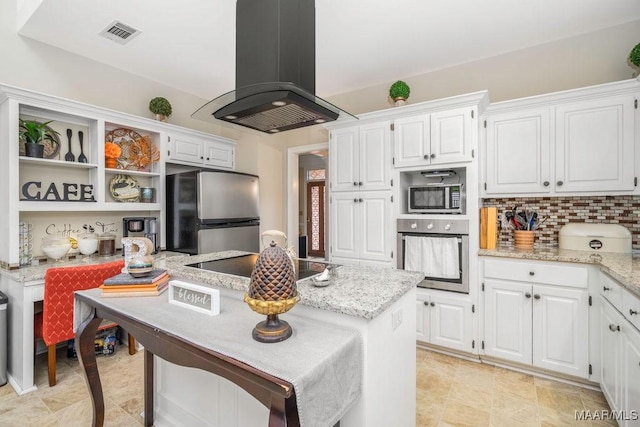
(538,324)
(445,321)
(620,364)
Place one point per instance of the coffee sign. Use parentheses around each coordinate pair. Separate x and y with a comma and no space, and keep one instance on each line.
(34,190)
(195,297)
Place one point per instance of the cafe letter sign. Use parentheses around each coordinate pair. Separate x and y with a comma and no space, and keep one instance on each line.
(195,297)
(34,190)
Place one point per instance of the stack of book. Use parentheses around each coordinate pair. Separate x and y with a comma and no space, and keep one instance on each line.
(125,285)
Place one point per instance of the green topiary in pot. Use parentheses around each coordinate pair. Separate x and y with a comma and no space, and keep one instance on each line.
(160,107)
(634,56)
(399,92)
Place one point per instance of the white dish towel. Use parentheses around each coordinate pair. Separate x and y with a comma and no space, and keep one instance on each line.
(413,253)
(440,257)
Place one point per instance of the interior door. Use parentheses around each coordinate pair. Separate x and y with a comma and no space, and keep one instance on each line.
(315,218)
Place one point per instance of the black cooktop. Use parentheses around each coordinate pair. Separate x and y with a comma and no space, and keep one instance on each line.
(243,266)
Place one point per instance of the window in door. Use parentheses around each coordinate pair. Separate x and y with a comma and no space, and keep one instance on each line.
(315,211)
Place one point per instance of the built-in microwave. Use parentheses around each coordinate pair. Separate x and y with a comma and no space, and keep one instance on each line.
(435,198)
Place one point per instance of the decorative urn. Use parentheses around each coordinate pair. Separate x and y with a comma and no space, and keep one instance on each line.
(272,291)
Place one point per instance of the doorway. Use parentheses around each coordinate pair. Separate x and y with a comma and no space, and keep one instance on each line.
(315,218)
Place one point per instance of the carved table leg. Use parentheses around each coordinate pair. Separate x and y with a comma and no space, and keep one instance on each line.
(85,349)
(148,388)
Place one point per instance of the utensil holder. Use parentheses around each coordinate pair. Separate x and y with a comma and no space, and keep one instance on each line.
(523,238)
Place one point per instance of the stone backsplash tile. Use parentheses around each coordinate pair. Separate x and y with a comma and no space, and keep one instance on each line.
(623,210)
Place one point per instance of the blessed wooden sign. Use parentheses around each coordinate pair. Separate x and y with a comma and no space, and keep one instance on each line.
(196,297)
(33,190)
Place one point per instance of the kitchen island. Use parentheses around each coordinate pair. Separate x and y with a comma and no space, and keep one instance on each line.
(378,303)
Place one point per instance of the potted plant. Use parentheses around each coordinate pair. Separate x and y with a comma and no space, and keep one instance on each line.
(160,107)
(33,134)
(634,56)
(399,92)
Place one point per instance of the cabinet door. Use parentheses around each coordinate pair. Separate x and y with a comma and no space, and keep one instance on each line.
(343,159)
(411,141)
(218,154)
(186,149)
(610,354)
(344,226)
(451,325)
(561,330)
(375,156)
(595,145)
(451,135)
(373,218)
(508,320)
(422,318)
(518,158)
(631,384)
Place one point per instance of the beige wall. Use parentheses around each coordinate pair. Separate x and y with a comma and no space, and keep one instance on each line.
(592,58)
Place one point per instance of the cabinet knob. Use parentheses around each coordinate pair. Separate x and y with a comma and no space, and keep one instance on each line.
(360,200)
(201,157)
(207,158)
(532,273)
(355,184)
(536,296)
(433,156)
(425,303)
(355,200)
(614,328)
(604,288)
(433,304)
(546,183)
(559,183)
(632,312)
(528,295)
(426,157)
(359,184)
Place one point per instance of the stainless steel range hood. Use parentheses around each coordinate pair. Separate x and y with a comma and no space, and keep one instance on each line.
(275,70)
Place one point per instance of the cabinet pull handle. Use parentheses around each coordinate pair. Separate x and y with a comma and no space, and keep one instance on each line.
(532,273)
(359,184)
(614,328)
(604,288)
(355,200)
(426,157)
(559,183)
(433,156)
(536,296)
(360,200)
(201,157)
(632,312)
(546,183)
(425,303)
(355,184)
(433,304)
(528,295)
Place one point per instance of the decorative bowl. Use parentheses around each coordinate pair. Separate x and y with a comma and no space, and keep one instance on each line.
(55,247)
(140,266)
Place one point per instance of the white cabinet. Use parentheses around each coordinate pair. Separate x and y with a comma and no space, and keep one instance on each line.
(445,321)
(360,225)
(201,150)
(570,142)
(595,145)
(360,157)
(620,351)
(439,137)
(531,321)
(517,157)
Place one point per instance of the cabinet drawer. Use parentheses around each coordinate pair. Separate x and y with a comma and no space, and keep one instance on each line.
(631,308)
(575,276)
(611,290)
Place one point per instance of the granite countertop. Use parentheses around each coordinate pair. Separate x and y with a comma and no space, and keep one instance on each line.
(625,268)
(359,291)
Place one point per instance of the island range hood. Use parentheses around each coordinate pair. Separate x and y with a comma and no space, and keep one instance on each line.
(275,70)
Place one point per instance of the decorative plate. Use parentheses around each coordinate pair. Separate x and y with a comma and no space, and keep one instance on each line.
(138,152)
(51,148)
(124,188)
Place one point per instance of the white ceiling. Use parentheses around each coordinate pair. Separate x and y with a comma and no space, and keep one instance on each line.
(189,44)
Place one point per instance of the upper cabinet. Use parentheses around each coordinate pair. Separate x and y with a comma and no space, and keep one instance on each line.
(360,157)
(574,142)
(201,150)
(436,138)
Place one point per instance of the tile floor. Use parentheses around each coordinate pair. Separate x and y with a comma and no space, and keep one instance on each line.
(450,392)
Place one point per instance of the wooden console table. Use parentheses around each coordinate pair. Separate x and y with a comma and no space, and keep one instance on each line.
(272,392)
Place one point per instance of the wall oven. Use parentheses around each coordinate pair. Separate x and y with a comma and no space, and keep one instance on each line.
(437,247)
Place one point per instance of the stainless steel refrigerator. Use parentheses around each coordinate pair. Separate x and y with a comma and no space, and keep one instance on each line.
(210,211)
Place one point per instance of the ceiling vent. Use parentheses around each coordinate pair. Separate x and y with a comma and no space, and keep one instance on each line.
(119,32)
